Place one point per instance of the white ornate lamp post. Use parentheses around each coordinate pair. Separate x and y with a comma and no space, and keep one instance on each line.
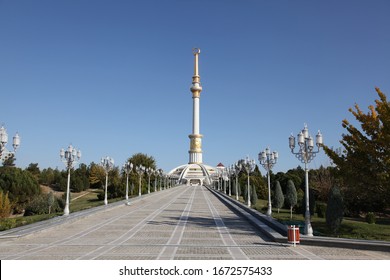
(107,163)
(236,169)
(149,171)
(159,174)
(155,173)
(219,173)
(4,153)
(225,179)
(140,170)
(268,160)
(230,173)
(249,166)
(306,155)
(128,167)
(162,174)
(70,157)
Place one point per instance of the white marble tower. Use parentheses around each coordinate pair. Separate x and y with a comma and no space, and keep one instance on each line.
(195,151)
(195,172)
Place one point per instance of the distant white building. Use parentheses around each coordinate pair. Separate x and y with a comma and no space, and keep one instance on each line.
(195,172)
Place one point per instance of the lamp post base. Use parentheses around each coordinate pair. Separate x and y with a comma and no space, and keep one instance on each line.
(308,231)
(66,210)
(269,211)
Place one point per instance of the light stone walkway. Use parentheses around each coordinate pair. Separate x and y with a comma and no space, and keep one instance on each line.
(178,223)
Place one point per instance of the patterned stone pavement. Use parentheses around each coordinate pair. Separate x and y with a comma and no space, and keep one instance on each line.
(182,223)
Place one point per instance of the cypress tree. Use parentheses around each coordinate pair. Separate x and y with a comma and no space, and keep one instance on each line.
(253,195)
(291,196)
(5,205)
(335,210)
(279,197)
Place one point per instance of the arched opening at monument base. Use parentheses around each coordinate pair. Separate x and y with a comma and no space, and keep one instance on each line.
(196,182)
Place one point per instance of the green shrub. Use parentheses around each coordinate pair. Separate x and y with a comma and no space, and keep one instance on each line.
(370,218)
(43,204)
(7,224)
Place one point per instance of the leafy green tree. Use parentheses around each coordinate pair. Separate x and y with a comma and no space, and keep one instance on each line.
(82,175)
(364,165)
(322,180)
(97,176)
(9,160)
(21,185)
(47,177)
(290,198)
(297,175)
(334,210)
(278,197)
(144,160)
(34,170)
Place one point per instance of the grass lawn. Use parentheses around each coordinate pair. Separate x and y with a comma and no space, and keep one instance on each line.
(79,201)
(84,201)
(356,228)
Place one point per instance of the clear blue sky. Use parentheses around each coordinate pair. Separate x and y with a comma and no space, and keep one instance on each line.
(113,77)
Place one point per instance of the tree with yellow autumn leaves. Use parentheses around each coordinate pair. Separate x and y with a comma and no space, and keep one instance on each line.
(364,165)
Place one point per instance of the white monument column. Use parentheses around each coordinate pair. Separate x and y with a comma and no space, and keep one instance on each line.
(195,151)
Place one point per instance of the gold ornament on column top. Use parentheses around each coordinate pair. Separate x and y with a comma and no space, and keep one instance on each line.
(196,144)
(196,88)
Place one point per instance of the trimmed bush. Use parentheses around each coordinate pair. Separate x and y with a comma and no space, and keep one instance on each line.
(370,218)
(7,224)
(43,204)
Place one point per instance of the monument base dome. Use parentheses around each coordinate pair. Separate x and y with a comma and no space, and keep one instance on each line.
(193,174)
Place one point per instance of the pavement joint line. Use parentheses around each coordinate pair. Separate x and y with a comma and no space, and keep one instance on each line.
(171,245)
(169,254)
(79,234)
(305,253)
(270,232)
(59,220)
(135,229)
(222,229)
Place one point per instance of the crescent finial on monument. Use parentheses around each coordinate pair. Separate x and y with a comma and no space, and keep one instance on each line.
(196,51)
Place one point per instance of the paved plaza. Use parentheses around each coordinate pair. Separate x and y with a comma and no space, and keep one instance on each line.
(181,223)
